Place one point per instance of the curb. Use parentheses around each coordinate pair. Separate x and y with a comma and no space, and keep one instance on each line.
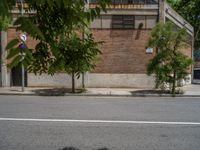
(100,95)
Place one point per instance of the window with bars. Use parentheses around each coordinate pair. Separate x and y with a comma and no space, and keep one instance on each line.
(123,21)
(133,22)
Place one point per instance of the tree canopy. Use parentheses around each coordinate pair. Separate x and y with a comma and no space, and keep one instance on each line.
(189,10)
(58,26)
(6,6)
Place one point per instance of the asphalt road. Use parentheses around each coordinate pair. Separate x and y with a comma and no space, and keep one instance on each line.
(91,123)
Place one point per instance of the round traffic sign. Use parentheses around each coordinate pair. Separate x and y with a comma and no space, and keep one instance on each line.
(23,37)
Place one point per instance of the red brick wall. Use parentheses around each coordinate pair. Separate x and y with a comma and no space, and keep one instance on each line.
(188,52)
(123,51)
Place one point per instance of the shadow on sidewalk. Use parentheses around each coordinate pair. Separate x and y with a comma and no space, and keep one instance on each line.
(157,92)
(54,91)
(150,92)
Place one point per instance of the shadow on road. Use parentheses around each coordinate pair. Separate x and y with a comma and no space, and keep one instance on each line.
(73,148)
(69,148)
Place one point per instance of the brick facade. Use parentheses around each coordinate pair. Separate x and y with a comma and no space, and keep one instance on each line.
(123,60)
(123,51)
(188,52)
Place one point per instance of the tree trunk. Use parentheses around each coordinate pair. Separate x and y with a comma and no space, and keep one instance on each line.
(174,84)
(83,80)
(73,83)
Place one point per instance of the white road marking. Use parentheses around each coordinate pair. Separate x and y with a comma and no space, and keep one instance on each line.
(100,121)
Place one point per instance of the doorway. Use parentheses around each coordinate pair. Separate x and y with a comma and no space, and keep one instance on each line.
(16,76)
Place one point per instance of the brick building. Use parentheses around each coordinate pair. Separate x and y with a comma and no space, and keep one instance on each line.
(125,29)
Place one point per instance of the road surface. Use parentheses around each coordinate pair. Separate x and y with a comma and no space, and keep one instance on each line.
(91,123)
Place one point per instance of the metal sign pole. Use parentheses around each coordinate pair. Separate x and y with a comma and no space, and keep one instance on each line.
(23,78)
(22,46)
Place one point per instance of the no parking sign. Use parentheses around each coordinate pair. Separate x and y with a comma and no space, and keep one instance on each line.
(23,37)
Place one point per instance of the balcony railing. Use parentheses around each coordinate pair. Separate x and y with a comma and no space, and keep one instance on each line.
(129,2)
(126,4)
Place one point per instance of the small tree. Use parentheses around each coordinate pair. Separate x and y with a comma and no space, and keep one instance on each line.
(73,55)
(77,55)
(169,65)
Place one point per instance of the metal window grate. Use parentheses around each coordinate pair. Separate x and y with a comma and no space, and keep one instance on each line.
(125,21)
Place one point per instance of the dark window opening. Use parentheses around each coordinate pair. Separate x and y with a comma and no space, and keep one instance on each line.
(196,74)
(123,22)
(130,2)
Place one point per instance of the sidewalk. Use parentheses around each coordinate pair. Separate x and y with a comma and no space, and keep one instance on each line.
(192,90)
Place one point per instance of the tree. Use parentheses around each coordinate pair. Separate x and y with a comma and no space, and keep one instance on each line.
(5,7)
(74,56)
(4,23)
(190,11)
(57,26)
(169,65)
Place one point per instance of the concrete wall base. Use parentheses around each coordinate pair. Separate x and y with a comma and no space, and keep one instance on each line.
(119,80)
(93,80)
(58,80)
(96,80)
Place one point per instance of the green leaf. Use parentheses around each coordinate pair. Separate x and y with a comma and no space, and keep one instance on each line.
(4,23)
(26,25)
(12,44)
(15,62)
(28,52)
(13,53)
(6,7)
